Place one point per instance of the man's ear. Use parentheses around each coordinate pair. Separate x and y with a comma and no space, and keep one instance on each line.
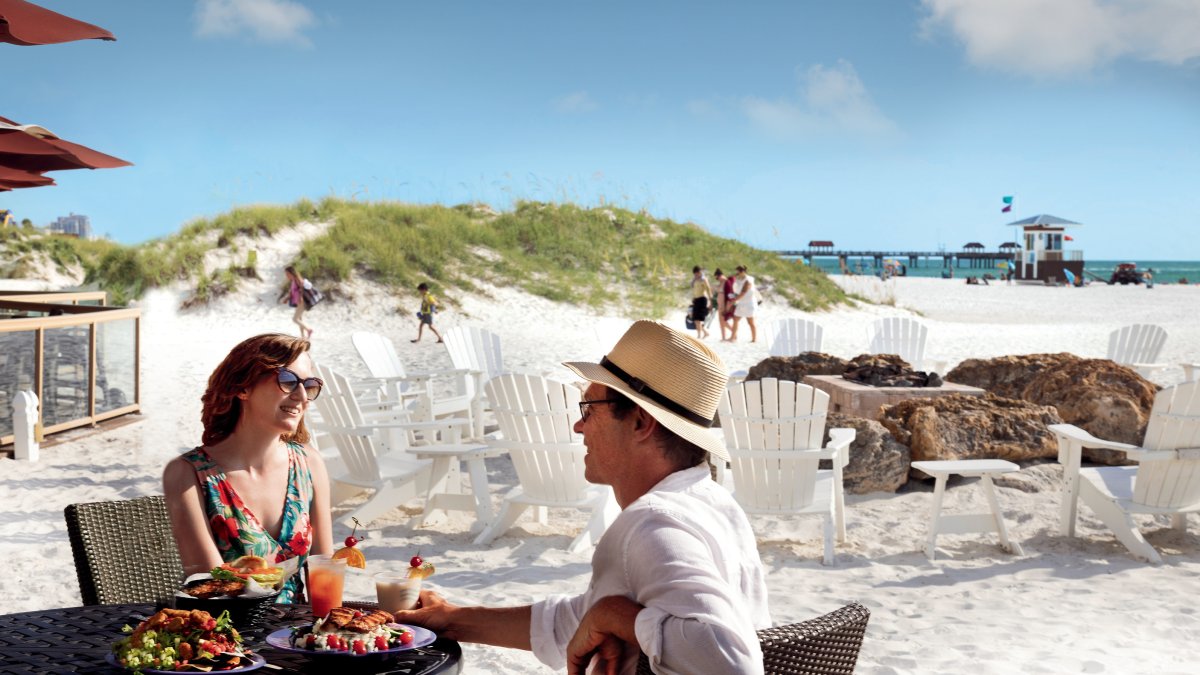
(644,423)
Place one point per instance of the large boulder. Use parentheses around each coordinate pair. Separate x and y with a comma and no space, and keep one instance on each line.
(1108,400)
(795,368)
(877,462)
(969,427)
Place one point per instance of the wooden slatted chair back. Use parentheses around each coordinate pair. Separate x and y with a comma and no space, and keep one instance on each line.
(341,414)
(1139,343)
(898,335)
(378,354)
(790,337)
(537,418)
(475,349)
(774,430)
(1172,481)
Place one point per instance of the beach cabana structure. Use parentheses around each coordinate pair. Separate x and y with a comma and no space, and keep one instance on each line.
(1166,480)
(1041,256)
(537,420)
(774,431)
(793,336)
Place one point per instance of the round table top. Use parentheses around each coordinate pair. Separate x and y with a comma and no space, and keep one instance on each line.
(76,640)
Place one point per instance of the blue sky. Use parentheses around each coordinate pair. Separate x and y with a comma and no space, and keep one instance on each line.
(874,123)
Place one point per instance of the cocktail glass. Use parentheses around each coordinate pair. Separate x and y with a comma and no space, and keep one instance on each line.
(396,591)
(326,580)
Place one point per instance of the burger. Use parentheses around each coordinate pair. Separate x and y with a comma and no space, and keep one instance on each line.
(250,567)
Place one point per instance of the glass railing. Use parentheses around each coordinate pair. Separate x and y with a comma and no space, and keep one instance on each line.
(77,355)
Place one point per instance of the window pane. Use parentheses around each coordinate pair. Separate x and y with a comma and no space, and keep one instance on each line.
(16,372)
(64,384)
(115,341)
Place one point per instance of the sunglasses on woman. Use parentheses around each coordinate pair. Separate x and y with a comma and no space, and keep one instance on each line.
(288,381)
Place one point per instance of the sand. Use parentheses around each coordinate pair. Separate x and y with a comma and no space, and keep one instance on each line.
(1066,605)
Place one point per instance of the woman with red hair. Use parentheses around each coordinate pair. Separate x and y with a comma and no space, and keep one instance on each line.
(253,488)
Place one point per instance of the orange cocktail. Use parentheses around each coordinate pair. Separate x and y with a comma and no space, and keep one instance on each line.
(326,579)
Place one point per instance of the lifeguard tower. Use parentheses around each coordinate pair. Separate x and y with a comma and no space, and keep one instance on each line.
(1042,256)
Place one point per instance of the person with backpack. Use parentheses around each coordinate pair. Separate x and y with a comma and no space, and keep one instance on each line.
(294,294)
(429,305)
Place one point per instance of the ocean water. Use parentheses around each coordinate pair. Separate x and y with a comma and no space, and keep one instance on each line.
(1165,271)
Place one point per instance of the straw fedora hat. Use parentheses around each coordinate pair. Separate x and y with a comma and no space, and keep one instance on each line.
(669,374)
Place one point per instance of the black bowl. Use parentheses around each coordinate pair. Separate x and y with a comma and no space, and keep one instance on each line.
(246,613)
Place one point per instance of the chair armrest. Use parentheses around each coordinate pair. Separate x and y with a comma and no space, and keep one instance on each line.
(428,374)
(1070,432)
(462,451)
(839,441)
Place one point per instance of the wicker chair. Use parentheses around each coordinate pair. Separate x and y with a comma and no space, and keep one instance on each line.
(826,645)
(124,551)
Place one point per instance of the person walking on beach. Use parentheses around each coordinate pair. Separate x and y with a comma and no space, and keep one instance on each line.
(677,575)
(726,317)
(700,292)
(252,487)
(429,305)
(744,303)
(294,295)
(718,304)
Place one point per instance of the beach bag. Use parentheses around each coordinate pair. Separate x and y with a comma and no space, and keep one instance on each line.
(687,320)
(310,294)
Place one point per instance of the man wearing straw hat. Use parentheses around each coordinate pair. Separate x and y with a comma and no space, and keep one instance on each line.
(677,575)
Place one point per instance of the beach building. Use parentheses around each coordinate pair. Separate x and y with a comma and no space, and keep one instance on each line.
(1040,256)
(77,225)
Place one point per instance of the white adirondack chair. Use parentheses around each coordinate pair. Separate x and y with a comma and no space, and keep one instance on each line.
(1166,480)
(773,430)
(790,337)
(477,351)
(394,471)
(413,389)
(904,337)
(536,418)
(1138,346)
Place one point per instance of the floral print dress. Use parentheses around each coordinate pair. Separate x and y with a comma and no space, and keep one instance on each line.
(237,531)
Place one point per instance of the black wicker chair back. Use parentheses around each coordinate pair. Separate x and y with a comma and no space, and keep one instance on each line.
(826,645)
(124,551)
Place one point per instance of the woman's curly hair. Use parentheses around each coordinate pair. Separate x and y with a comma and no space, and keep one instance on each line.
(240,371)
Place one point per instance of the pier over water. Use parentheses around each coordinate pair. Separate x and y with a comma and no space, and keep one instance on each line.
(974,258)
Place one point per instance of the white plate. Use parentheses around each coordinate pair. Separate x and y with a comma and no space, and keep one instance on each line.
(256,662)
(422,637)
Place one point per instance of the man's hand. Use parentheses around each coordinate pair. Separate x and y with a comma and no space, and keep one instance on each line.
(606,631)
(432,612)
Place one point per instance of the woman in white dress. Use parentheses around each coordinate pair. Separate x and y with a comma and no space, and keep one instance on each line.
(744,304)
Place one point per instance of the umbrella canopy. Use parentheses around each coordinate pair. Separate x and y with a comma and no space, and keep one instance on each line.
(34,149)
(15,178)
(1044,219)
(24,23)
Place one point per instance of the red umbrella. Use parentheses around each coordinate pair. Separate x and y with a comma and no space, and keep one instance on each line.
(35,149)
(24,23)
(15,178)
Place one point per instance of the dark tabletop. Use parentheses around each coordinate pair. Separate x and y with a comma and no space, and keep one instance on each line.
(76,639)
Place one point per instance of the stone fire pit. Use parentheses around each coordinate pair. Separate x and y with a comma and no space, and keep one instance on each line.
(855,392)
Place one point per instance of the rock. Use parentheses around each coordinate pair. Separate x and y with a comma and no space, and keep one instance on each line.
(970,427)
(794,368)
(888,370)
(877,462)
(1108,400)
(1033,478)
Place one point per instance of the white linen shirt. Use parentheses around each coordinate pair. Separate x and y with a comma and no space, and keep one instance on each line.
(685,551)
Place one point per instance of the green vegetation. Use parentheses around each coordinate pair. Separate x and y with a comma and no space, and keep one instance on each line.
(605,257)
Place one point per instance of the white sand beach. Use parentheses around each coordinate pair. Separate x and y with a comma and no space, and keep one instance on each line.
(1066,605)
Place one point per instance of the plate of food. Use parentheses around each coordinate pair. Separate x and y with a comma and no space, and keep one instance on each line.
(352,633)
(174,639)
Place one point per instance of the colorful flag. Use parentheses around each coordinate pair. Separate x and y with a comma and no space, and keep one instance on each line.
(1068,237)
(1007,204)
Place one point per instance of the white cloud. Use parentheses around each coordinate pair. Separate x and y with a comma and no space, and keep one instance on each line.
(280,21)
(1059,37)
(832,100)
(575,102)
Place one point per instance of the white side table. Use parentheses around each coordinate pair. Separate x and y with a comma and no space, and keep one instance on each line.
(972,522)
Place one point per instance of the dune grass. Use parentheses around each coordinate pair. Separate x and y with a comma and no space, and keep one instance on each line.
(604,257)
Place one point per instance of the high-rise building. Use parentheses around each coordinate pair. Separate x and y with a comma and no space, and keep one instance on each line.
(74,224)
